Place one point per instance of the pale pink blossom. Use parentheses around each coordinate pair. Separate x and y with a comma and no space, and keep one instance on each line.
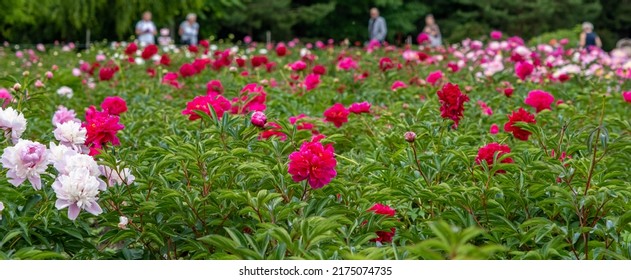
(26,160)
(76,191)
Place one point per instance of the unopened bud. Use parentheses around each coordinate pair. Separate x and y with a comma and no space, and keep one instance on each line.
(259,119)
(410,136)
(17,87)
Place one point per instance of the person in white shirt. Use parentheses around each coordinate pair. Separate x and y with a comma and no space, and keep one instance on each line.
(146,30)
(189,30)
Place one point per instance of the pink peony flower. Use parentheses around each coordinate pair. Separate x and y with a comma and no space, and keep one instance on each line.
(63,115)
(434,77)
(202,103)
(5,98)
(337,114)
(627,96)
(312,81)
(253,97)
(313,162)
(358,108)
(494,129)
(114,105)
(523,70)
(26,160)
(258,119)
(496,35)
(486,110)
(347,63)
(170,78)
(397,85)
(422,38)
(540,100)
(214,86)
(298,65)
(273,130)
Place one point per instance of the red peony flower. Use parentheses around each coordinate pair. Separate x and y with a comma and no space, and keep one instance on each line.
(187,70)
(520,115)
(101,130)
(312,81)
(149,51)
(193,48)
(358,108)
(487,153)
(281,49)
(200,64)
(347,63)
(273,130)
(114,105)
(523,69)
(165,60)
(380,209)
(540,100)
(319,69)
(107,73)
(214,86)
(131,49)
(626,96)
(298,65)
(337,114)
(494,129)
(204,43)
(258,60)
(452,102)
(385,64)
(313,162)
(202,103)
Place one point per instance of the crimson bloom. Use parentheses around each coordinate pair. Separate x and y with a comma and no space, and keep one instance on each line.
(187,70)
(214,86)
(540,100)
(114,105)
(149,51)
(627,96)
(314,162)
(101,129)
(381,209)
(202,103)
(131,49)
(319,69)
(273,130)
(452,102)
(281,49)
(385,64)
(107,73)
(337,114)
(487,153)
(520,115)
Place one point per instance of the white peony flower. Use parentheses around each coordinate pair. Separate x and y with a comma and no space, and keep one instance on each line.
(13,123)
(72,160)
(77,190)
(65,91)
(123,221)
(117,176)
(71,134)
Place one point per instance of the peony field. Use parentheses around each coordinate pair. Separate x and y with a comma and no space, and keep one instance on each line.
(483,149)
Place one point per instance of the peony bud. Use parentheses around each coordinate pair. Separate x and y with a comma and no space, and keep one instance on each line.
(49,75)
(17,87)
(259,119)
(410,136)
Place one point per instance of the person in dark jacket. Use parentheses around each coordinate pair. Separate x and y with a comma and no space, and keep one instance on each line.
(589,39)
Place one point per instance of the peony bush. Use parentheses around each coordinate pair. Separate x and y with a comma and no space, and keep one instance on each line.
(480,150)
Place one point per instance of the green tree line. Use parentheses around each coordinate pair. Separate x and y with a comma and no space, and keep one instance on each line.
(31,21)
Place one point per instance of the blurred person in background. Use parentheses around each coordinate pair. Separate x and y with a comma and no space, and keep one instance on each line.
(146,30)
(377,28)
(588,38)
(189,30)
(432,30)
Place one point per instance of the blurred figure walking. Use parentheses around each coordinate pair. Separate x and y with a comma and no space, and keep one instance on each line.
(146,30)
(189,29)
(432,30)
(588,38)
(377,28)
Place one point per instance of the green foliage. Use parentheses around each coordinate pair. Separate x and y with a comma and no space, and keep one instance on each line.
(211,189)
